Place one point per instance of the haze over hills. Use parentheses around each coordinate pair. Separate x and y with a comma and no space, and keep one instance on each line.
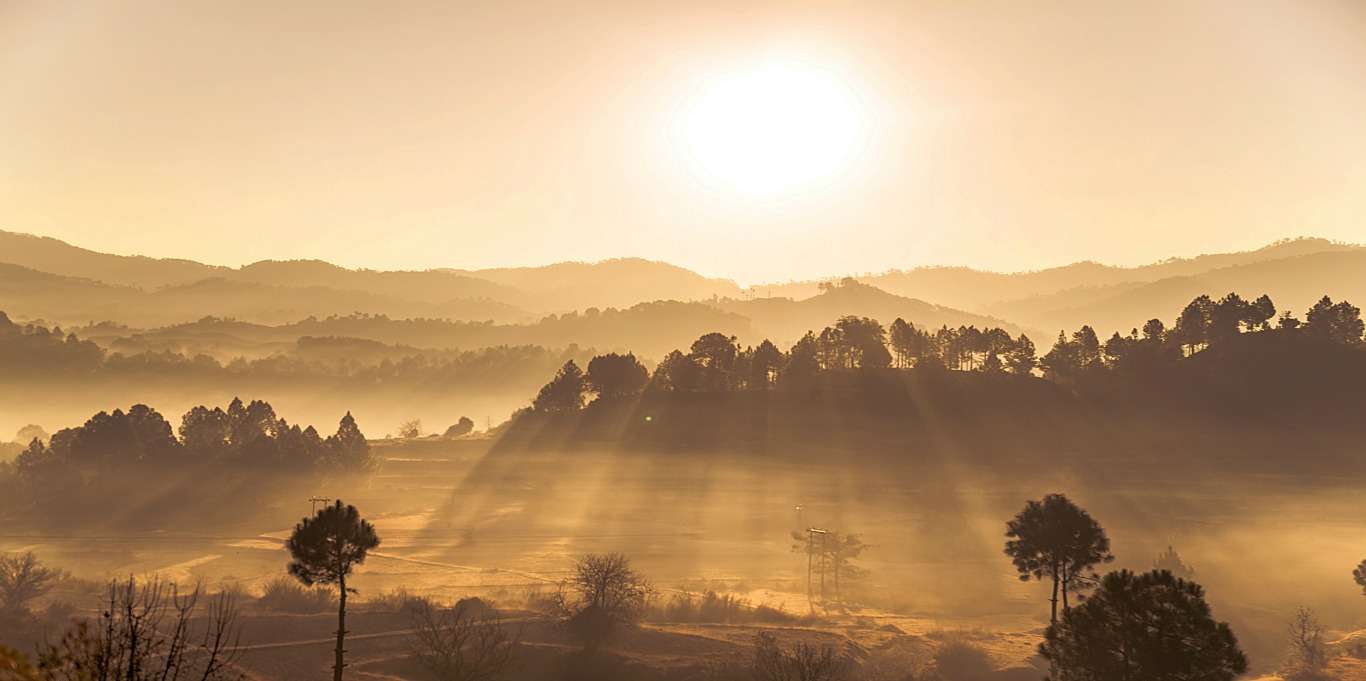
(648,329)
(43,278)
(985,291)
(503,295)
(30,294)
(618,282)
(58,257)
(1294,284)
(784,320)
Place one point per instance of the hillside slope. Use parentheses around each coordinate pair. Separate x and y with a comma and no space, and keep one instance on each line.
(1293,283)
(986,292)
(784,320)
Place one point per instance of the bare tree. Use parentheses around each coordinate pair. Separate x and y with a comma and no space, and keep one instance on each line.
(1308,654)
(604,594)
(409,430)
(148,632)
(802,662)
(466,642)
(22,579)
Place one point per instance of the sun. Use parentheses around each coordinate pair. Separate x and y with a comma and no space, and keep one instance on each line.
(772,128)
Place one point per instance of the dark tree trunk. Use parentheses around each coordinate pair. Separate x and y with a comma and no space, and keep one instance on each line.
(1053,618)
(341,630)
(1066,584)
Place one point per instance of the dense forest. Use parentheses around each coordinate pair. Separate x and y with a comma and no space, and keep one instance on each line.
(54,376)
(1220,359)
(127,453)
(37,350)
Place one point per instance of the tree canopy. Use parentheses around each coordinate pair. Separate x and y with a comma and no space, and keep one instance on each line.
(1057,539)
(1142,627)
(614,376)
(564,392)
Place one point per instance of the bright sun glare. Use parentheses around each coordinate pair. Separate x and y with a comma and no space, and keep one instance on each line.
(772,128)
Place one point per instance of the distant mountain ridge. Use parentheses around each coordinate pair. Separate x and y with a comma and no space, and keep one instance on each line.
(503,294)
(616,282)
(1294,284)
(984,291)
(30,294)
(784,320)
(47,278)
(59,257)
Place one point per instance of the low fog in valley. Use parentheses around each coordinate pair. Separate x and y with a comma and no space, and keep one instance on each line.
(708,341)
(844,489)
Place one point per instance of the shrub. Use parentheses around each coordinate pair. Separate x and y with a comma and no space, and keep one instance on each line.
(286,595)
(959,660)
(773,662)
(712,607)
(399,600)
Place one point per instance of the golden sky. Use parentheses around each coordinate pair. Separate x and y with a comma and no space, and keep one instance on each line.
(757,141)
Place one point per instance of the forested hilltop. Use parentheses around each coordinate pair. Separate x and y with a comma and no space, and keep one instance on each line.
(243,452)
(54,377)
(1221,374)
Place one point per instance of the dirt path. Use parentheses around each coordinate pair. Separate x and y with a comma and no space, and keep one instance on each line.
(319,641)
(331,640)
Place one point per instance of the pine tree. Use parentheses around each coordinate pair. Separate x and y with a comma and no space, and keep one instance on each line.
(1055,538)
(1154,626)
(325,548)
(564,392)
(349,446)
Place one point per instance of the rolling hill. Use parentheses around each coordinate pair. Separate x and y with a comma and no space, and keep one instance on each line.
(313,287)
(30,294)
(45,278)
(58,257)
(619,282)
(988,292)
(1294,283)
(648,329)
(784,320)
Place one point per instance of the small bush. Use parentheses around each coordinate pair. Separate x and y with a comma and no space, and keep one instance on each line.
(283,594)
(712,607)
(542,601)
(773,662)
(959,660)
(233,589)
(476,607)
(399,600)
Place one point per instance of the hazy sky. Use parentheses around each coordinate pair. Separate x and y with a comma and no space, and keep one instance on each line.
(750,140)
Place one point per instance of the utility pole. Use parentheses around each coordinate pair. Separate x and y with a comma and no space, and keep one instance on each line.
(316,501)
(811,533)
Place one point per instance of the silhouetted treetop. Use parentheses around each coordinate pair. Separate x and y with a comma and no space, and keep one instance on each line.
(614,376)
(1152,626)
(564,392)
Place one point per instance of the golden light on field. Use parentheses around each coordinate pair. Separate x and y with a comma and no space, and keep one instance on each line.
(772,127)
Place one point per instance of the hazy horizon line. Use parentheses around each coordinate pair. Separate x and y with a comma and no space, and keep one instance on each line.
(702,271)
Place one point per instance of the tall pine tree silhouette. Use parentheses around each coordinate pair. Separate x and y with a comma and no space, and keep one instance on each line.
(325,548)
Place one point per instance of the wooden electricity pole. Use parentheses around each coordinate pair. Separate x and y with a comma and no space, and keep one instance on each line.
(811,533)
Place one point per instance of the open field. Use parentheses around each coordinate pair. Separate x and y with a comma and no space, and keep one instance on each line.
(457,520)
